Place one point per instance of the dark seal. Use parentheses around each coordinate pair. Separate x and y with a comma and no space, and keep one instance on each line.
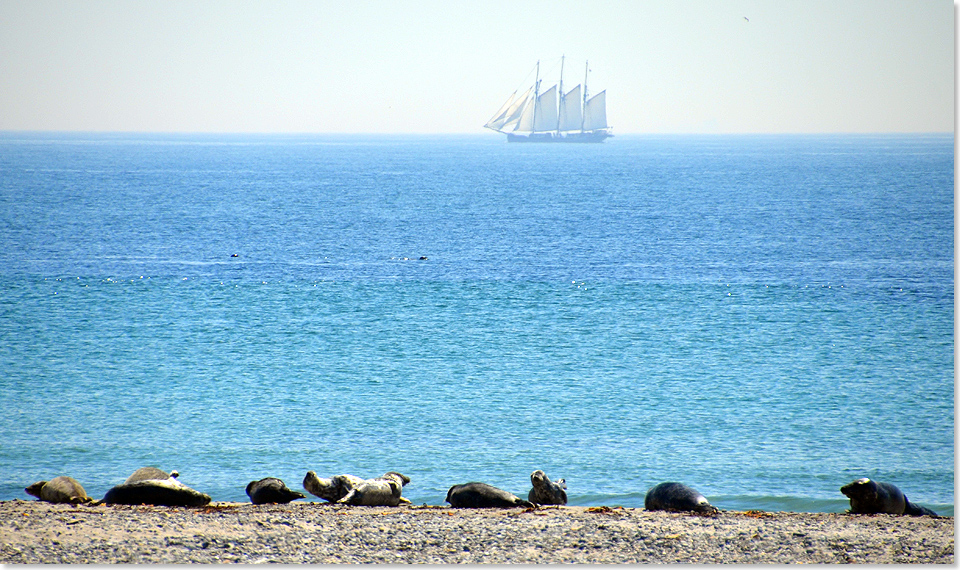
(545,491)
(876,497)
(271,490)
(483,496)
(148,486)
(672,496)
(59,490)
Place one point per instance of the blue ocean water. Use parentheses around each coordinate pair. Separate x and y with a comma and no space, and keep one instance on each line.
(765,318)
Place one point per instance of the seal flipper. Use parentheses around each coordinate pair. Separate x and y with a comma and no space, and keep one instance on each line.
(917,510)
(349,497)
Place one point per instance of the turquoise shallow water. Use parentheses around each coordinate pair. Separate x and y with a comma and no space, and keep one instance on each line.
(763,318)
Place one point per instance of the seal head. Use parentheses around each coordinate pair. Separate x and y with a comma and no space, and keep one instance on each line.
(545,491)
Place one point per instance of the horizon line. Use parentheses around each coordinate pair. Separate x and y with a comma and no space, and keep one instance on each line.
(462,133)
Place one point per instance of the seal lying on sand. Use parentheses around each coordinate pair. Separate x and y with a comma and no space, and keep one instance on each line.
(59,490)
(672,496)
(545,491)
(271,490)
(383,491)
(483,496)
(332,489)
(152,486)
(871,497)
(150,474)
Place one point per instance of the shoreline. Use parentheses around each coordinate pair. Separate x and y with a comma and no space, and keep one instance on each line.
(35,532)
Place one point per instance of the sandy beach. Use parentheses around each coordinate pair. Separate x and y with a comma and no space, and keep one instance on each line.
(33,532)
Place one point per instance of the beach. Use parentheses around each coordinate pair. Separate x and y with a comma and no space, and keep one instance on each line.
(34,532)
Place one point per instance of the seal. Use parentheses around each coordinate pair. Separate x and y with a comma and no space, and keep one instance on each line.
(383,491)
(483,496)
(151,474)
(330,489)
(673,496)
(148,486)
(61,489)
(271,490)
(875,497)
(545,491)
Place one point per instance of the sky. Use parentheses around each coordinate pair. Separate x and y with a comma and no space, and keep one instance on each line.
(421,66)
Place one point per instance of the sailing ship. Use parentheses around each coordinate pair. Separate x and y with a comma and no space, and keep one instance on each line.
(535,116)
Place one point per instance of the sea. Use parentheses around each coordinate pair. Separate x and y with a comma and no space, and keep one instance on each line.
(765,318)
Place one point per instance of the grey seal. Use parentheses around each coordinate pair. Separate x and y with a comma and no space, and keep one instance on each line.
(151,474)
(383,491)
(271,490)
(673,496)
(545,491)
(61,489)
(873,497)
(152,486)
(330,489)
(483,496)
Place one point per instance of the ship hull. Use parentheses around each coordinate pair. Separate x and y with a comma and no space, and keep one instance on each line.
(573,137)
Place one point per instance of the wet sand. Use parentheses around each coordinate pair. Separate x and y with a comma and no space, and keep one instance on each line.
(33,532)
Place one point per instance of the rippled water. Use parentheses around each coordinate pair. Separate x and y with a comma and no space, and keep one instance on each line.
(763,318)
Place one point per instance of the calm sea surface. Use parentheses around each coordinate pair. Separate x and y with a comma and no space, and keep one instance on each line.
(763,318)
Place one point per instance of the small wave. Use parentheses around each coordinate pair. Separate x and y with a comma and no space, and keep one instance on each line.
(631,500)
(779,504)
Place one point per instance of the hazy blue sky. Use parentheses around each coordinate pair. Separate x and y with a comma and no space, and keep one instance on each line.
(669,66)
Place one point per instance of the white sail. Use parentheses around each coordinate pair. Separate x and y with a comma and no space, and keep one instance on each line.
(510,112)
(546,119)
(595,112)
(570,110)
(513,113)
(499,118)
(525,121)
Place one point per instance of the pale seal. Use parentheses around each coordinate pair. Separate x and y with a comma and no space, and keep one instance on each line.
(672,496)
(271,490)
(331,489)
(151,474)
(383,491)
(482,496)
(148,486)
(59,490)
(874,497)
(545,491)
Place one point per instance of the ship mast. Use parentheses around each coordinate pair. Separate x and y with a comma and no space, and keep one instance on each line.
(561,95)
(536,100)
(583,114)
